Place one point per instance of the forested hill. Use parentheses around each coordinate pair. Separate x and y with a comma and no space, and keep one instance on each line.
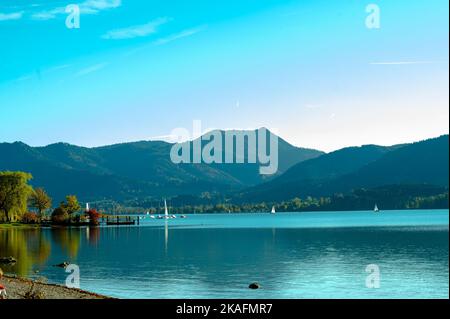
(135,170)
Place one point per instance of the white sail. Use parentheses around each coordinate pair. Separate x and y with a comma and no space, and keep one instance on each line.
(87,207)
(166,211)
(273,210)
(376,209)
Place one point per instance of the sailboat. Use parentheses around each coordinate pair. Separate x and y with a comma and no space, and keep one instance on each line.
(376,209)
(166,210)
(273,210)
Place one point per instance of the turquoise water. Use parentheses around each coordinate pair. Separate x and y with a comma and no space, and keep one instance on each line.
(291,255)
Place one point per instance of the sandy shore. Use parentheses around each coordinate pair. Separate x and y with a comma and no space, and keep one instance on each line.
(18,287)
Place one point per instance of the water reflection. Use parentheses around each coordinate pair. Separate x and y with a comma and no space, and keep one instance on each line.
(166,236)
(29,247)
(93,235)
(68,239)
(220,263)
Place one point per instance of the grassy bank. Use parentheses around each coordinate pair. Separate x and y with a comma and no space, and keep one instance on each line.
(17,225)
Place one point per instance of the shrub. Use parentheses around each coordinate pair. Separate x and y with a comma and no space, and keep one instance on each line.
(79,219)
(30,218)
(60,216)
(94,216)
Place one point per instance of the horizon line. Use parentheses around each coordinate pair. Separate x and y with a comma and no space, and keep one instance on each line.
(221,130)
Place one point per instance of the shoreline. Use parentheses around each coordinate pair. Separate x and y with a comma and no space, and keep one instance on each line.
(17,288)
(17,225)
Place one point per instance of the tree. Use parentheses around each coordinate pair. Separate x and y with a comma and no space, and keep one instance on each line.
(40,200)
(94,216)
(60,215)
(30,218)
(14,194)
(71,205)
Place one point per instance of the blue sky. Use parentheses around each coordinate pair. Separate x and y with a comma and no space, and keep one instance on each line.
(311,69)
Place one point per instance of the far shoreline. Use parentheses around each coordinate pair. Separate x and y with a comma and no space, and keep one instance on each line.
(18,225)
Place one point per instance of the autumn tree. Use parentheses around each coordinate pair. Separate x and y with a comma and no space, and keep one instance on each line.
(60,216)
(94,216)
(71,205)
(40,200)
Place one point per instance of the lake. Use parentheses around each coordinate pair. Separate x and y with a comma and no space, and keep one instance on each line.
(291,255)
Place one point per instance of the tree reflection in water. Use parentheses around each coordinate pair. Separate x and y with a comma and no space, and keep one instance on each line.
(28,246)
(69,239)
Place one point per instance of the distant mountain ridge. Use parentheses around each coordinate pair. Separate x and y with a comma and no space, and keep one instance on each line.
(139,171)
(369,166)
(133,170)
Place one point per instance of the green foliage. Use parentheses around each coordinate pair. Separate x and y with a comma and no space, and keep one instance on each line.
(40,200)
(64,213)
(71,205)
(392,197)
(430,202)
(387,197)
(14,194)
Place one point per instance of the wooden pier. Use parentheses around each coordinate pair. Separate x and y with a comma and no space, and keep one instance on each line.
(120,220)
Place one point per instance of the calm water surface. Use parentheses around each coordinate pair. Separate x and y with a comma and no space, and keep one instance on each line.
(292,255)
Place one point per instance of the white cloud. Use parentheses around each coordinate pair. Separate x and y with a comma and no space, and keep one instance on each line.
(142,30)
(86,7)
(182,34)
(91,69)
(171,138)
(101,4)
(49,14)
(11,16)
